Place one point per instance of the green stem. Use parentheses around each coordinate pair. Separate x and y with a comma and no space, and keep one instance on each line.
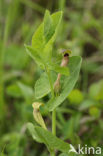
(52,153)
(54,111)
(54,122)
(61,4)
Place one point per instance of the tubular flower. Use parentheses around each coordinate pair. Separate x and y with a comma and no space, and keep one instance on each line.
(64,63)
(36,113)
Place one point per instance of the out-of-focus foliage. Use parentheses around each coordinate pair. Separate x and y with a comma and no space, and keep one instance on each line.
(76,96)
(80,117)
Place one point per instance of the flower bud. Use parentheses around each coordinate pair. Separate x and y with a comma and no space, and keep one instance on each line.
(57,85)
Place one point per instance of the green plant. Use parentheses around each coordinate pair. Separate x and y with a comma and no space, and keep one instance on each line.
(57,80)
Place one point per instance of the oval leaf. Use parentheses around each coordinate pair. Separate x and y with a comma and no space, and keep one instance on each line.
(33,133)
(42,87)
(51,141)
(34,54)
(68,83)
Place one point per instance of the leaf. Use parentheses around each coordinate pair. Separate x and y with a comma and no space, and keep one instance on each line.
(38,39)
(59,69)
(33,132)
(48,32)
(69,129)
(14,91)
(13,146)
(49,26)
(15,57)
(68,83)
(52,141)
(19,89)
(87,104)
(56,19)
(26,91)
(42,87)
(34,54)
(43,136)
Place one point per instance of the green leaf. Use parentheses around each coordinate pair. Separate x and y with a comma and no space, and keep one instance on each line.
(19,89)
(87,104)
(68,83)
(14,91)
(26,91)
(34,54)
(13,146)
(15,57)
(33,132)
(59,69)
(52,142)
(38,39)
(45,35)
(56,19)
(42,86)
(48,31)
(68,129)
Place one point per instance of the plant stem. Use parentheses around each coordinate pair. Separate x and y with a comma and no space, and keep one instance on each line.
(52,153)
(54,122)
(61,4)
(54,111)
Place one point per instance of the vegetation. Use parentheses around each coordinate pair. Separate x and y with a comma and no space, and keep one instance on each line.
(42,41)
(50,93)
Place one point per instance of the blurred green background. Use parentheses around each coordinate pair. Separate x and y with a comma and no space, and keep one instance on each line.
(80,117)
